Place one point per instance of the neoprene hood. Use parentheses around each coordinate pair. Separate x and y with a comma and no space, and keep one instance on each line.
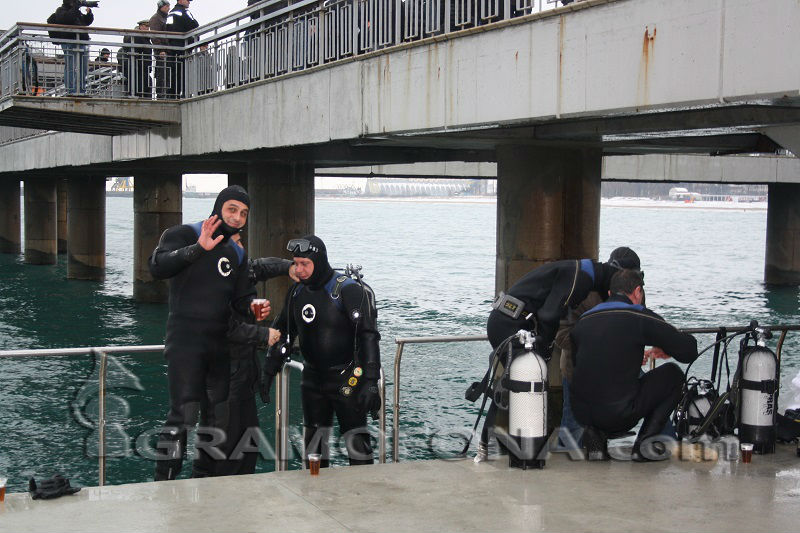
(233,192)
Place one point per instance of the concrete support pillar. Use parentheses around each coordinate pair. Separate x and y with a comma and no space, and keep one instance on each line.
(86,229)
(240,178)
(61,211)
(9,217)
(548,208)
(282,207)
(782,263)
(157,205)
(40,222)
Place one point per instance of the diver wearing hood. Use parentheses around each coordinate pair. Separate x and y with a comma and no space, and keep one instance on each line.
(335,321)
(207,272)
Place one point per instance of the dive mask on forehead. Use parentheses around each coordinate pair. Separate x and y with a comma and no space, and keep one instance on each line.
(301,246)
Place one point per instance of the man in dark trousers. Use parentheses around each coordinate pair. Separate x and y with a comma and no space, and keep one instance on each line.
(335,321)
(158,22)
(207,271)
(76,56)
(179,20)
(608,394)
(136,62)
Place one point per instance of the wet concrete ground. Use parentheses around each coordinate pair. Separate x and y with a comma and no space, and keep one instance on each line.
(420,496)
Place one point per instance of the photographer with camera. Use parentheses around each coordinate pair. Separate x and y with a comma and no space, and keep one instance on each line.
(76,55)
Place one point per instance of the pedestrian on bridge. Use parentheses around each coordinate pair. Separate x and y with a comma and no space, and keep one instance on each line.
(158,22)
(180,20)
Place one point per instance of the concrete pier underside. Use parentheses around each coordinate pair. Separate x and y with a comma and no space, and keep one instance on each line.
(10,236)
(442,495)
(157,205)
(782,263)
(41,224)
(86,228)
(281,208)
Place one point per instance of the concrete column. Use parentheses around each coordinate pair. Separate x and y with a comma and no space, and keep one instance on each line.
(61,211)
(782,264)
(282,207)
(40,222)
(548,208)
(240,178)
(86,230)
(9,217)
(157,205)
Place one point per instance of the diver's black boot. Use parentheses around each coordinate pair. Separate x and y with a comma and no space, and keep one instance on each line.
(596,443)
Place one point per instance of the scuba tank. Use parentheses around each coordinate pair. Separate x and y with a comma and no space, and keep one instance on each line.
(527,406)
(757,391)
(698,398)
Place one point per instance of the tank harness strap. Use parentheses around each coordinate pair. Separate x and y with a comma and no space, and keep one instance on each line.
(514,385)
(768,386)
(337,288)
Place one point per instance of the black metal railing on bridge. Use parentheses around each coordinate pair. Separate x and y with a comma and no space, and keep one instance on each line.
(269,39)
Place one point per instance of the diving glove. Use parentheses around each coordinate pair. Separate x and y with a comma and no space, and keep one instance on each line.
(369,397)
(51,488)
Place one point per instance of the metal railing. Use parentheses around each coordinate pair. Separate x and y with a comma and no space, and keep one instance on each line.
(270,39)
(281,398)
(402,341)
(101,353)
(282,382)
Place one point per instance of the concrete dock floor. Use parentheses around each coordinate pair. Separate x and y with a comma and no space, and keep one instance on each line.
(443,495)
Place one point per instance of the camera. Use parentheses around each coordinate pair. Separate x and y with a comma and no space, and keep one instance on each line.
(89,3)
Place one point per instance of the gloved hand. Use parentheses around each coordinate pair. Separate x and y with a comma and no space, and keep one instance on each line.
(273,362)
(50,488)
(369,398)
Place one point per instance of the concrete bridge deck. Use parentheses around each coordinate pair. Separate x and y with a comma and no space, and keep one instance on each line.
(443,496)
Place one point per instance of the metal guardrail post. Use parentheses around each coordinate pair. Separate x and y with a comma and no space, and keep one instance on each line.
(101,416)
(396,406)
(382,420)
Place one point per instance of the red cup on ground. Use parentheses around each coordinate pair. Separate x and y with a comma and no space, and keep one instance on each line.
(747,452)
(258,305)
(3,489)
(313,463)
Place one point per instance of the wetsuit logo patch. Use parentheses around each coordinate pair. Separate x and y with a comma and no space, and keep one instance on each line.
(308,313)
(224,267)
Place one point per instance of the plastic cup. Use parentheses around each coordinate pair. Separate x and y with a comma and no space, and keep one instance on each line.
(313,463)
(3,489)
(747,452)
(258,305)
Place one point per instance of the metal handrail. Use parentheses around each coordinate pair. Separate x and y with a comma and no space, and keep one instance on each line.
(102,353)
(402,341)
(282,416)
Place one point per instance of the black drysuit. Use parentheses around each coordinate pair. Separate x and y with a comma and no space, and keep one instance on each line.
(246,338)
(548,292)
(607,391)
(203,287)
(329,336)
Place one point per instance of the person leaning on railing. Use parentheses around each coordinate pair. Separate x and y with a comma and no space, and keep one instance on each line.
(76,56)
(137,78)
(158,22)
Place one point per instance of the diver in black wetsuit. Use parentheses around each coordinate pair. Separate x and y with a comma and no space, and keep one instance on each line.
(207,271)
(539,300)
(608,396)
(246,338)
(336,323)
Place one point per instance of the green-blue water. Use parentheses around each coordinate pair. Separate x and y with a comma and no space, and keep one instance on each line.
(432,268)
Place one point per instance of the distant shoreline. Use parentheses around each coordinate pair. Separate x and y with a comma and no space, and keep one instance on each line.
(641,203)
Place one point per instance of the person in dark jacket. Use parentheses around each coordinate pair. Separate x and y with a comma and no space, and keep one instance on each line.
(76,56)
(608,394)
(158,22)
(136,62)
(246,339)
(206,266)
(334,319)
(179,20)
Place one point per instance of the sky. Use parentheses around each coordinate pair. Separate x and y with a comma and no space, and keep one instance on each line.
(113,13)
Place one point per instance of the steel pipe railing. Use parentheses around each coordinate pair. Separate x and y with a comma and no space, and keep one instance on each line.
(402,341)
(101,353)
